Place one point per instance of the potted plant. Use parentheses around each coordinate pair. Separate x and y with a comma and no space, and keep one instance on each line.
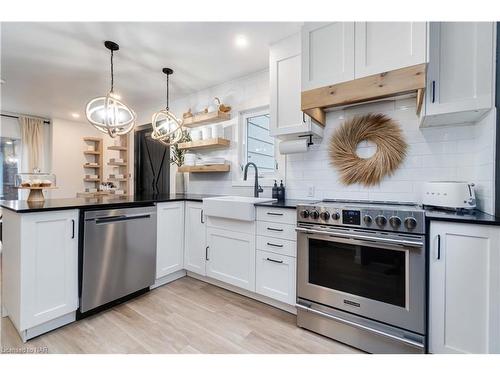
(177,158)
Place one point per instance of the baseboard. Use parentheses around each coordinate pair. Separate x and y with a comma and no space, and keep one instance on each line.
(168,279)
(48,326)
(268,301)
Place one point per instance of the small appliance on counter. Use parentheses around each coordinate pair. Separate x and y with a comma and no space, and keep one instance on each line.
(452,195)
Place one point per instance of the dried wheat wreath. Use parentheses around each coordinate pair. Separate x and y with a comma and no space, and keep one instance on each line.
(381,130)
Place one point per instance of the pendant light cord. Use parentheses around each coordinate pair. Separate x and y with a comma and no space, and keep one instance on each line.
(112,72)
(168,75)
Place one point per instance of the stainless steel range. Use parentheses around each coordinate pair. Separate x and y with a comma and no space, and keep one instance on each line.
(361,274)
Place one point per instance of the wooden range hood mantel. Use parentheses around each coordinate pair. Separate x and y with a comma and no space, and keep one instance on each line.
(378,86)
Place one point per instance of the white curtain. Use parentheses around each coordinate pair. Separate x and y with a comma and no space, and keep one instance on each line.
(32,143)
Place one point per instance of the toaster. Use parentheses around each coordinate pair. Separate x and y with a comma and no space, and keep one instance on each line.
(449,194)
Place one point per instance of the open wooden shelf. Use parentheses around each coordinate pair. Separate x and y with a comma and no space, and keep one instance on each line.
(117,164)
(92,139)
(206,118)
(92,152)
(118,148)
(207,143)
(91,166)
(117,179)
(91,179)
(205,168)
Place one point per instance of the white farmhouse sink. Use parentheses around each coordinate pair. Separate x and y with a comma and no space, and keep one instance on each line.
(233,207)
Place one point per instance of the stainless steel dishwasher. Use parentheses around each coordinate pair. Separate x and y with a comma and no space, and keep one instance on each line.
(119,254)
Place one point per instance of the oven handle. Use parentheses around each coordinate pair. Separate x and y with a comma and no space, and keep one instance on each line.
(362,237)
(360,326)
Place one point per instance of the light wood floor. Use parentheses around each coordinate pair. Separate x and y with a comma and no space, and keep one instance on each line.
(185,316)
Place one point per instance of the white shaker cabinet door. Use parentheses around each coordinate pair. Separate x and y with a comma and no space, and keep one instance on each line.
(231,257)
(464,298)
(327,53)
(384,46)
(275,276)
(195,239)
(170,238)
(49,266)
(460,72)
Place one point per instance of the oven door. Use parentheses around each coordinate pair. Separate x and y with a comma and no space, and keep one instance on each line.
(374,275)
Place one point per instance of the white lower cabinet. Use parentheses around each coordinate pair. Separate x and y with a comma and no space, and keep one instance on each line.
(195,242)
(464,297)
(40,268)
(275,276)
(169,238)
(231,257)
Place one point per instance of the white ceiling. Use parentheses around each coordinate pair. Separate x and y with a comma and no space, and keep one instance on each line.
(53,69)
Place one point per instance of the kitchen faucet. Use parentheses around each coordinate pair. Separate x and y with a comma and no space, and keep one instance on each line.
(256,188)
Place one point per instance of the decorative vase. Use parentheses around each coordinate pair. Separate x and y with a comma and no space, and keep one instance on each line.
(179,183)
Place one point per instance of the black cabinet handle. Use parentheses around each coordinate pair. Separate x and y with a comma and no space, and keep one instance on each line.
(73,228)
(433,91)
(274,260)
(439,247)
(274,214)
(275,229)
(206,253)
(201,217)
(303,117)
(273,244)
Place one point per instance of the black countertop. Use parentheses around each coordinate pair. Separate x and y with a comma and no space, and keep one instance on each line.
(287,203)
(473,217)
(101,202)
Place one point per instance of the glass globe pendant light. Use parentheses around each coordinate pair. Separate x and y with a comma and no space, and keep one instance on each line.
(167,128)
(108,113)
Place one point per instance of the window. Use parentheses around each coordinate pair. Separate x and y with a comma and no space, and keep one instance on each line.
(9,165)
(259,145)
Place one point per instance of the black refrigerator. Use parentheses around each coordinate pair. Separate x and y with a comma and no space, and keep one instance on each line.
(152,164)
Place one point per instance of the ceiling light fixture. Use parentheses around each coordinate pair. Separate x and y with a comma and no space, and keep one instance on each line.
(167,129)
(107,113)
(241,41)
(75,115)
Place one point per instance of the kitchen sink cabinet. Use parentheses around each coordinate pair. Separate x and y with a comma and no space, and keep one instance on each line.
(460,84)
(384,46)
(231,257)
(195,239)
(464,277)
(170,238)
(286,118)
(40,270)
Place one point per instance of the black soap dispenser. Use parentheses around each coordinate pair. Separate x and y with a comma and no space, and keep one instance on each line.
(281,192)
(275,190)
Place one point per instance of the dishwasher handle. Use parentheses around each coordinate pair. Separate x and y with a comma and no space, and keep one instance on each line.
(116,218)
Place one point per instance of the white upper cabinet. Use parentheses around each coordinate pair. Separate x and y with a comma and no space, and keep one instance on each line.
(460,73)
(285,84)
(195,238)
(327,53)
(385,46)
(169,238)
(464,284)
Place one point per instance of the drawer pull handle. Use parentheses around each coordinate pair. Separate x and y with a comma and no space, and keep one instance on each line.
(206,253)
(274,214)
(274,260)
(275,229)
(273,244)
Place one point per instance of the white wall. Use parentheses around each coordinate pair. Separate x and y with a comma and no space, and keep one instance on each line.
(464,152)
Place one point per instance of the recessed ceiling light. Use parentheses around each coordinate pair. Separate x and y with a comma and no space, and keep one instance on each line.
(241,41)
(75,115)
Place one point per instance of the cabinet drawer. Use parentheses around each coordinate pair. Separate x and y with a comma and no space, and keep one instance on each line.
(277,245)
(277,215)
(277,230)
(275,276)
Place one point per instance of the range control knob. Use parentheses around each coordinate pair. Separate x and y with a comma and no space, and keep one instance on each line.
(315,214)
(410,223)
(395,221)
(304,214)
(335,216)
(325,215)
(381,220)
(367,219)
